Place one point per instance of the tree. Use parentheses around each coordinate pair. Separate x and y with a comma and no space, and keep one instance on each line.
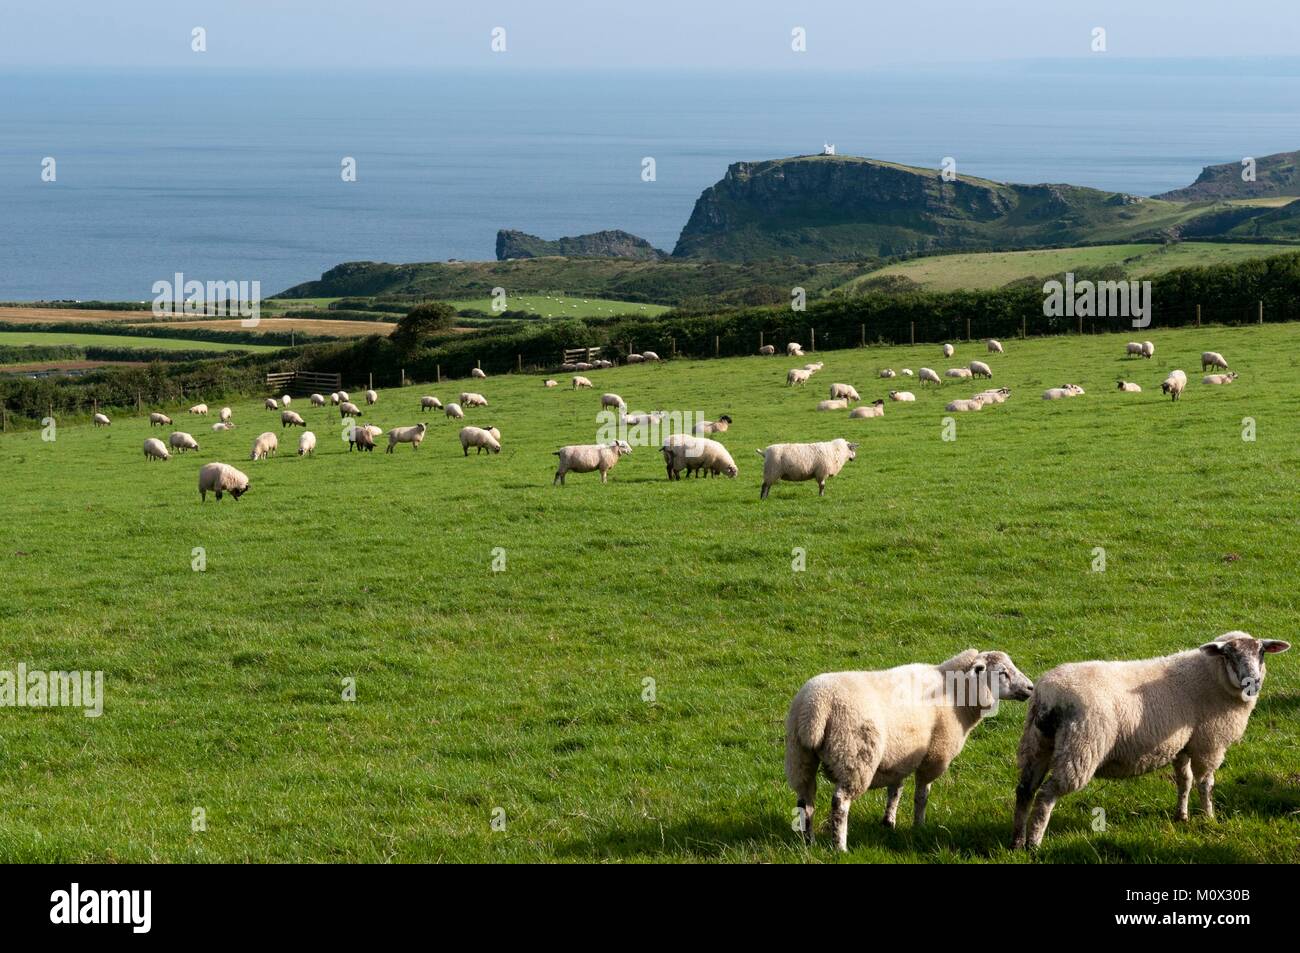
(421,322)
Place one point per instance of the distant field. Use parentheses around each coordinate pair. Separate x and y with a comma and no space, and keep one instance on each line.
(60,315)
(560,306)
(342,329)
(995,269)
(21,338)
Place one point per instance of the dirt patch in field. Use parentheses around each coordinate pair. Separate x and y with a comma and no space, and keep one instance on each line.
(61,315)
(61,366)
(340,329)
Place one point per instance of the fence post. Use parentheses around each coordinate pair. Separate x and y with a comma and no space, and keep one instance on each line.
(863,338)
(968,329)
(760,341)
(1080,324)
(1024,327)
(812,332)
(1198,315)
(1261,312)
(479,365)
(519,363)
(913,332)
(371,385)
(403,384)
(672,346)
(437,372)
(717,345)
(137,403)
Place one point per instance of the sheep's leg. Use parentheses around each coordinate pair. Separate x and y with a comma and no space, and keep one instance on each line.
(920,798)
(894,795)
(1183,779)
(840,805)
(1204,770)
(603,474)
(1066,778)
(1034,757)
(763,494)
(821,487)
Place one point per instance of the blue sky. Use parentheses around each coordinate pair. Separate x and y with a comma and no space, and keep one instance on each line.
(620,34)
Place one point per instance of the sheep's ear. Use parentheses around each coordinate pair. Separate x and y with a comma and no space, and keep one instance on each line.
(853,446)
(1275,645)
(1212,648)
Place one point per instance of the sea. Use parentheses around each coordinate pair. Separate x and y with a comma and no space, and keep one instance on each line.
(239,176)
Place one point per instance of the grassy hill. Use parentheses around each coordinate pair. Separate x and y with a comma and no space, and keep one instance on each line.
(526,690)
(1275,175)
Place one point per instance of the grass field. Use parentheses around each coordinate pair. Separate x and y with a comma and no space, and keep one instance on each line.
(21,338)
(341,329)
(995,269)
(521,694)
(561,306)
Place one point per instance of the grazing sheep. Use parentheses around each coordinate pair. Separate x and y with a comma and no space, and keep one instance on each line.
(454,412)
(1065,390)
(603,363)
(286,400)
(362,438)
(335,398)
(631,359)
(477,372)
(696,455)
(181,441)
(793,350)
(1173,384)
(998,396)
(318,400)
(551,383)
(1148,349)
(371,398)
(814,367)
(1227,378)
(199,409)
(887,373)
(1128,387)
(348,409)
(154,449)
(479,438)
(840,404)
(430,403)
(995,347)
(925,374)
(307,444)
(874,409)
(588,458)
(468,399)
(907,372)
(343,395)
(222,425)
(159,420)
(875,729)
(1213,359)
(706,427)
(412,435)
(960,372)
(290,419)
(1124,719)
(573,367)
(271,403)
(904,395)
(265,446)
(101,420)
(960,406)
(947,350)
(373,430)
(222,478)
(797,462)
(612,400)
(643,420)
(797,376)
(584,366)
(580,381)
(767,349)
(225,413)
(980,369)
(649,356)
(1133,349)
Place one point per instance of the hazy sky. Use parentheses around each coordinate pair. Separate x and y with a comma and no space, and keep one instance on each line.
(558,34)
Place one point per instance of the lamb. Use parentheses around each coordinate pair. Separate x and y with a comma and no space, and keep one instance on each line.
(947,350)
(706,427)
(348,409)
(874,729)
(412,435)
(649,356)
(159,420)
(631,359)
(907,372)
(612,400)
(1227,378)
(222,478)
(797,376)
(1124,719)
(887,372)
(271,404)
(286,400)
(477,372)
(222,425)
(1128,387)
(307,444)
(290,419)
(479,438)
(1065,390)
(454,412)
(225,414)
(998,396)
(995,347)
(335,398)
(371,398)
(199,409)
(796,462)
(580,381)
(904,395)
(265,446)
(793,350)
(101,420)
(551,383)
(1173,384)
(874,409)
(469,399)
(181,441)
(1148,349)
(430,402)
(588,458)
(814,367)
(362,438)
(980,369)
(833,404)
(696,455)
(960,406)
(318,400)
(961,372)
(767,349)
(1133,348)
(643,420)
(1213,359)
(154,449)
(925,374)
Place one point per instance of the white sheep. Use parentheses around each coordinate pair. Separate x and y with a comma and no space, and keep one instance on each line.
(477,372)
(1065,390)
(371,397)
(696,455)
(602,363)
(180,441)
(412,435)
(550,383)
(797,375)
(814,367)
(453,411)
(907,372)
(318,400)
(1227,378)
(995,396)
(643,420)
(767,349)
(797,462)
(958,372)
(479,438)
(348,409)
(887,373)
(874,729)
(960,406)
(612,400)
(199,409)
(588,458)
(926,374)
(289,418)
(429,402)
(649,356)
(793,350)
(580,381)
(265,446)
(903,395)
(631,359)
(947,350)
(1133,349)
(840,404)
(335,399)
(286,400)
(1124,719)
(159,420)
(706,427)
(271,403)
(373,430)
(101,420)
(225,414)
(1148,349)
(979,369)
(222,478)
(1128,387)
(306,444)
(1173,384)
(155,449)
(995,347)
(222,425)
(362,438)
(469,399)
(1213,359)
(874,409)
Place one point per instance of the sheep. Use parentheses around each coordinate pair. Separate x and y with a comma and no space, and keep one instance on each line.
(335,398)
(903,395)
(840,404)
(696,455)
(222,425)
(706,427)
(271,403)
(1173,384)
(767,349)
(796,462)
(154,449)
(602,363)
(181,441)
(1124,719)
(469,399)
(479,438)
(980,369)
(307,444)
(265,446)
(1227,378)
(1148,349)
(926,374)
(159,420)
(584,366)
(222,478)
(429,402)
(814,367)
(225,414)
(454,412)
(101,420)
(199,409)
(412,435)
(874,729)
(874,409)
(1128,387)
(947,350)
(995,347)
(1213,359)
(797,376)
(645,420)
(550,383)
(318,400)
(361,438)
(477,372)
(373,430)
(588,458)
(960,406)
(348,409)
(887,373)
(793,350)
(580,381)
(1133,348)
(995,396)
(612,400)
(290,419)
(343,395)
(959,372)
(907,372)
(631,359)
(649,356)
(371,398)
(1065,390)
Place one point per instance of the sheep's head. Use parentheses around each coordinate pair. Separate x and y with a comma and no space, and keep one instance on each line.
(879,403)
(1003,680)
(853,451)
(1243,660)
(724,419)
